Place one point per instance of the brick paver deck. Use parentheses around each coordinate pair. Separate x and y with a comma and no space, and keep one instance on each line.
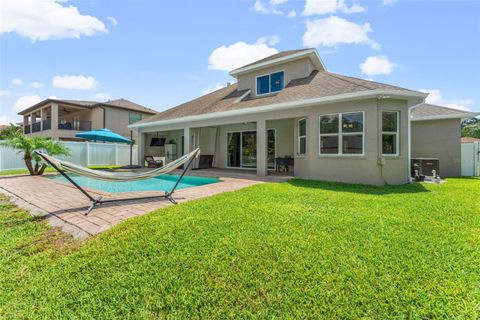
(63,205)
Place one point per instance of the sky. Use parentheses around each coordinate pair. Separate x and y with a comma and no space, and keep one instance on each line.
(162,53)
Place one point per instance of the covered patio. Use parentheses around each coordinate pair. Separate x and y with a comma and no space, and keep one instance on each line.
(262,147)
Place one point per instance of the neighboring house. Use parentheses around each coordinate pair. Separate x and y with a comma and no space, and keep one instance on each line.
(470,140)
(61,119)
(436,133)
(335,127)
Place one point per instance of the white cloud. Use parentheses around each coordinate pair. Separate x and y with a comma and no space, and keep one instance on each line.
(269,8)
(102,96)
(291,14)
(25,102)
(333,31)
(6,119)
(112,20)
(46,19)
(321,7)
(36,85)
(436,97)
(388,2)
(376,65)
(17,82)
(230,57)
(271,41)
(212,88)
(4,93)
(74,82)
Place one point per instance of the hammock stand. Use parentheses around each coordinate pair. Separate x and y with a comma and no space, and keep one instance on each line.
(98,201)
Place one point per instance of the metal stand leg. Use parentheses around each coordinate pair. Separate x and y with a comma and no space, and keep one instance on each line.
(95,202)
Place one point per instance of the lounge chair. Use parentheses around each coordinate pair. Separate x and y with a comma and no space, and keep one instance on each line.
(152,163)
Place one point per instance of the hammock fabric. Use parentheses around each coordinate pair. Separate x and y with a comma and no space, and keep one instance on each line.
(64,166)
(119,176)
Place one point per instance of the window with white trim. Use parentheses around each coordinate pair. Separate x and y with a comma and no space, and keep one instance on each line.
(341,134)
(302,137)
(269,83)
(390,133)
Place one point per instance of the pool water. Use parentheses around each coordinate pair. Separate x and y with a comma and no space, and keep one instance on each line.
(160,183)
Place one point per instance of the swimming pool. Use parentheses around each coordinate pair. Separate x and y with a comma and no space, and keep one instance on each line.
(160,183)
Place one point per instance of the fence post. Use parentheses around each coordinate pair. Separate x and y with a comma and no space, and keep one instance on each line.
(116,154)
(87,153)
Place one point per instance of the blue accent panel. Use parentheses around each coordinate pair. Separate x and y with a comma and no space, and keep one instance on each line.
(277,81)
(263,84)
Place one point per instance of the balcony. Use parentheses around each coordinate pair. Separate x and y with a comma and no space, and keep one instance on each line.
(76,125)
(47,124)
(36,127)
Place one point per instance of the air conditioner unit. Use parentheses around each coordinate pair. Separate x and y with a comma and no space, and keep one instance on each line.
(425,166)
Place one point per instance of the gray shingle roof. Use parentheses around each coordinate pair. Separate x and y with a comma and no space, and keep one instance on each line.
(427,110)
(319,84)
(275,56)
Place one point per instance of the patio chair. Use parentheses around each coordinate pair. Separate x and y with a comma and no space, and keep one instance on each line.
(64,166)
(152,163)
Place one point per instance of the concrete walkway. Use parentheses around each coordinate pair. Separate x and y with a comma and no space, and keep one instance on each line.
(63,205)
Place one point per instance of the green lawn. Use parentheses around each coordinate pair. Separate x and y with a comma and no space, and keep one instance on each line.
(299,249)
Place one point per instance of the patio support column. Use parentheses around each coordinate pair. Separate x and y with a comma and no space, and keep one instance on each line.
(187,137)
(261,148)
(33,119)
(25,121)
(43,116)
(54,120)
(140,148)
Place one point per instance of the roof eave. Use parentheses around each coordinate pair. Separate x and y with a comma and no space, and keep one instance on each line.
(47,101)
(377,93)
(298,55)
(462,116)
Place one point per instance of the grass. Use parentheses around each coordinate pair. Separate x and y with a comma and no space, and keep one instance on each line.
(48,169)
(300,249)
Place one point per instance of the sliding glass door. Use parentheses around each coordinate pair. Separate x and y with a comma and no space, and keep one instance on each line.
(242,149)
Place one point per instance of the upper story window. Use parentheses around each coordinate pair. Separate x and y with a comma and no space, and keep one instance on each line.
(269,83)
(134,117)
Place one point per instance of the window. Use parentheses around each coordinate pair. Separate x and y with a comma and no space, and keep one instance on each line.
(269,83)
(341,134)
(134,117)
(390,133)
(302,137)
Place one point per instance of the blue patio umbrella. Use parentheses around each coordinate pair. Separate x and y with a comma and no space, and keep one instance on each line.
(107,136)
(103,135)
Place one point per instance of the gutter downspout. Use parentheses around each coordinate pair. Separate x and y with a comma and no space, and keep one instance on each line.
(410,139)
(104,115)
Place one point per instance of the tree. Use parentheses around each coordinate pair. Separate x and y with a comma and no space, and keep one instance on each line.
(11,129)
(18,141)
(471,128)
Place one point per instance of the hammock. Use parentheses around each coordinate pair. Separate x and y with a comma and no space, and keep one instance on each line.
(64,166)
(118,176)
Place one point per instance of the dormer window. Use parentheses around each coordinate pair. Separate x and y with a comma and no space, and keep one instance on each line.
(269,83)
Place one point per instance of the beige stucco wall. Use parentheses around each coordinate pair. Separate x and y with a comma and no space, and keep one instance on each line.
(354,169)
(439,139)
(293,70)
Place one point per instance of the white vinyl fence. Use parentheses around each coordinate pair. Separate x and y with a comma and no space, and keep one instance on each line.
(83,153)
(471,159)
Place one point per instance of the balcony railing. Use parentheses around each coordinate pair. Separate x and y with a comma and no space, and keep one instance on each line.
(77,125)
(36,127)
(26,129)
(47,124)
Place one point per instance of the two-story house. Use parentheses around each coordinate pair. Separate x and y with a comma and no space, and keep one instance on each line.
(61,119)
(326,126)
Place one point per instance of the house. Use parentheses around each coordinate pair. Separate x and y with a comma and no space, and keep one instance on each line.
(61,119)
(287,107)
(436,133)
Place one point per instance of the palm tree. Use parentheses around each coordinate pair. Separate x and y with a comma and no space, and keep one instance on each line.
(19,141)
